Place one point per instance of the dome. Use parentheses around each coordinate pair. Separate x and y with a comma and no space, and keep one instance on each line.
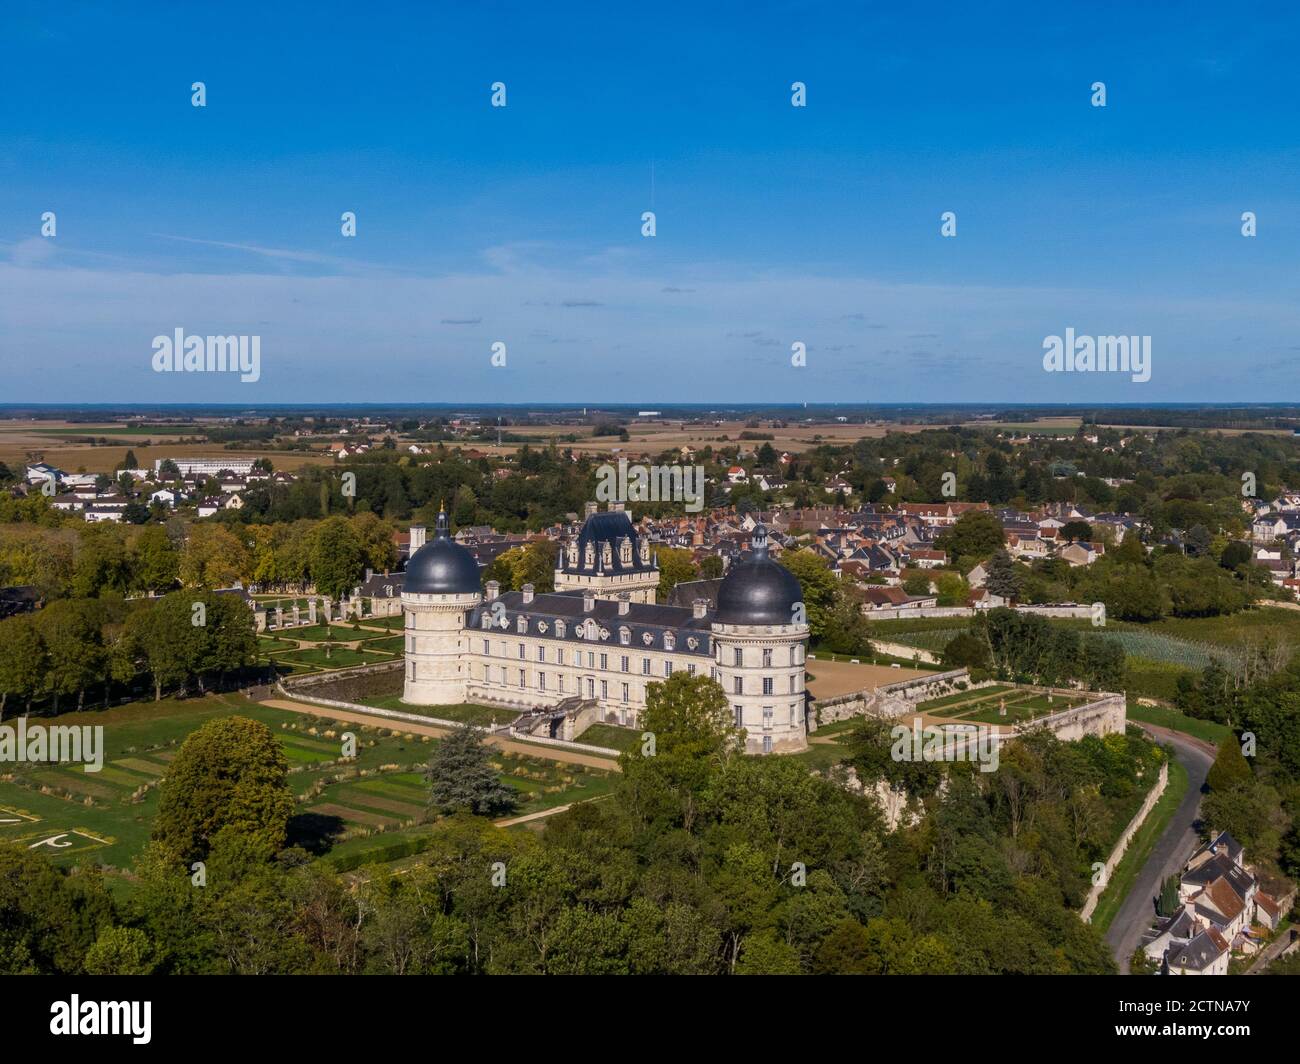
(442,567)
(758,590)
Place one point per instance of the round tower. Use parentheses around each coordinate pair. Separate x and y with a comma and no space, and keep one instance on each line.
(760,637)
(441,586)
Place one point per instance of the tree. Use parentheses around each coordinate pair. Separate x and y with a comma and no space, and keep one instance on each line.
(711,567)
(974,536)
(818,585)
(23,661)
(1003,578)
(1234,554)
(1230,768)
(120,951)
(1076,530)
(155,563)
(335,560)
(461,776)
(212,557)
(676,566)
(231,773)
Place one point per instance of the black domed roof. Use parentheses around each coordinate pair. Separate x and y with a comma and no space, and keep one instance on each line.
(758,590)
(442,567)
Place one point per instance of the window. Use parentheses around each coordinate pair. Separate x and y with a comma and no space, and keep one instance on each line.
(591,687)
(486,619)
(521,625)
(559,655)
(522,651)
(523,677)
(541,653)
(793,681)
(767,716)
(739,685)
(792,711)
(740,657)
(767,658)
(794,650)
(767,685)
(740,717)
(505,678)
(560,629)
(625,692)
(541,681)
(690,670)
(767,744)
(670,641)
(604,661)
(604,690)
(645,666)
(625,663)
(668,668)
(487,646)
(560,680)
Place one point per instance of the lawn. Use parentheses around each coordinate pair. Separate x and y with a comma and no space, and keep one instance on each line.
(1167,717)
(612,736)
(336,658)
(463,713)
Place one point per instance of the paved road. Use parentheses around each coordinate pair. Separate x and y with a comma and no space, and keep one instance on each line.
(1171,850)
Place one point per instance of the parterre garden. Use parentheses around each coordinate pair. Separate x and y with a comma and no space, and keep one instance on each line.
(72,815)
(986,705)
(301,650)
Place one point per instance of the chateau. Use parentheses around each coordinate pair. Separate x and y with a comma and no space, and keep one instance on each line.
(588,650)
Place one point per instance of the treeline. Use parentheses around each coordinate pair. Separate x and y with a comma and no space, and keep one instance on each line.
(1020,647)
(89,560)
(1255,797)
(78,647)
(702,861)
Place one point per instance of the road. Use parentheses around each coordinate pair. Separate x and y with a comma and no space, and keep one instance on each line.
(1171,850)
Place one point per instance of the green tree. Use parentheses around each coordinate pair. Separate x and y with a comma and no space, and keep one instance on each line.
(1230,768)
(676,566)
(120,951)
(335,561)
(974,536)
(23,661)
(229,773)
(461,776)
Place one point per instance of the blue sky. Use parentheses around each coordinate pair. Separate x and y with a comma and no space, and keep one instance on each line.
(522,224)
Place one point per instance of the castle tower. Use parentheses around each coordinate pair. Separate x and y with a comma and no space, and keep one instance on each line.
(609,558)
(760,639)
(441,586)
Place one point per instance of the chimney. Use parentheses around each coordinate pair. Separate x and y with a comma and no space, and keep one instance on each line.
(624,603)
(528,593)
(417,537)
(493,589)
(588,600)
(590,509)
(369,573)
(699,608)
(617,507)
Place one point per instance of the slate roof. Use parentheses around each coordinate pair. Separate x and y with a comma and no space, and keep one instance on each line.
(642,618)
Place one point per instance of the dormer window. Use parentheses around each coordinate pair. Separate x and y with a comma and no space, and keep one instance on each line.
(606,555)
(560,629)
(625,551)
(521,625)
(670,641)
(486,619)
(589,557)
(625,635)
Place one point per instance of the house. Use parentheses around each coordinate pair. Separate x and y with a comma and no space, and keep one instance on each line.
(736,475)
(885,598)
(1205,954)
(924,558)
(978,576)
(890,483)
(1082,553)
